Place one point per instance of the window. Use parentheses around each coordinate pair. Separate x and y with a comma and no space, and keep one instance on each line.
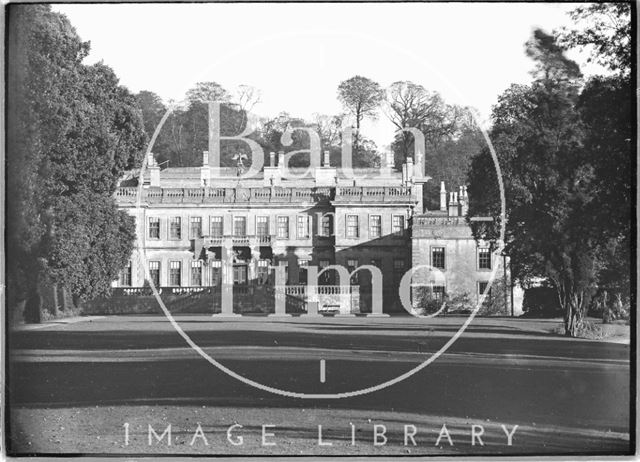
(262,226)
(195,227)
(196,273)
(398,270)
(352,264)
(283,227)
(375,226)
(327,228)
(154,228)
(437,293)
(175,231)
(175,273)
(437,257)
(216,266)
(240,226)
(125,276)
(302,271)
(154,272)
(239,274)
(216,227)
(353,226)
(484,258)
(325,278)
(482,287)
(263,271)
(397,228)
(303,226)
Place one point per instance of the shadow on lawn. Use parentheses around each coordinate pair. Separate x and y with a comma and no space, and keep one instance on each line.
(500,392)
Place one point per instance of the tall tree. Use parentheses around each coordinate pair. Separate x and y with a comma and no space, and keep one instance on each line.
(606,108)
(549,182)
(72,132)
(361,97)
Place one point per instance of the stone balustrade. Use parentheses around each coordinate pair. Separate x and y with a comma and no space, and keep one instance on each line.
(129,195)
(367,194)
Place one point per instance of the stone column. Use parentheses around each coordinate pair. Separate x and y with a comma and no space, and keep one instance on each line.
(253,264)
(226,288)
(279,292)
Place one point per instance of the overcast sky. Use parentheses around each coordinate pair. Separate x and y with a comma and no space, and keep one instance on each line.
(297,54)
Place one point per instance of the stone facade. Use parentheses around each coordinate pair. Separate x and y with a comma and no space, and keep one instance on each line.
(193,220)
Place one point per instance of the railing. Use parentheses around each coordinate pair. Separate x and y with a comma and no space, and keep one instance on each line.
(146,291)
(263,195)
(419,221)
(218,241)
(131,291)
(203,298)
(373,194)
(221,195)
(302,290)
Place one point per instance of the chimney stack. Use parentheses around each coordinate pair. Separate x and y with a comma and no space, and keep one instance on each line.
(281,159)
(205,158)
(454,208)
(154,171)
(443,197)
(464,202)
(272,159)
(327,159)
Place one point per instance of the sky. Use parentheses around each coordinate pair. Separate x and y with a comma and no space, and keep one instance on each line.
(297,54)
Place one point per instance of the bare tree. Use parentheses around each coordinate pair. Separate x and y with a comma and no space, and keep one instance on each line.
(411,105)
(247,97)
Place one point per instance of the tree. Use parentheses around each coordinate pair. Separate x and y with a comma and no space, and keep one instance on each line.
(605,106)
(411,105)
(606,109)
(91,240)
(607,33)
(549,183)
(247,97)
(72,132)
(451,135)
(361,97)
(204,92)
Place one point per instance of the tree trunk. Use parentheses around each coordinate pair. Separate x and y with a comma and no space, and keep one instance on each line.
(574,308)
(33,305)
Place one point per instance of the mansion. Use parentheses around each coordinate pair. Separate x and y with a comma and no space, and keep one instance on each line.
(288,221)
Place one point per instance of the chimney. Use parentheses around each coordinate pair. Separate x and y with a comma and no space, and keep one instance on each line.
(443,197)
(326,175)
(281,159)
(154,171)
(272,159)
(464,202)
(453,204)
(205,158)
